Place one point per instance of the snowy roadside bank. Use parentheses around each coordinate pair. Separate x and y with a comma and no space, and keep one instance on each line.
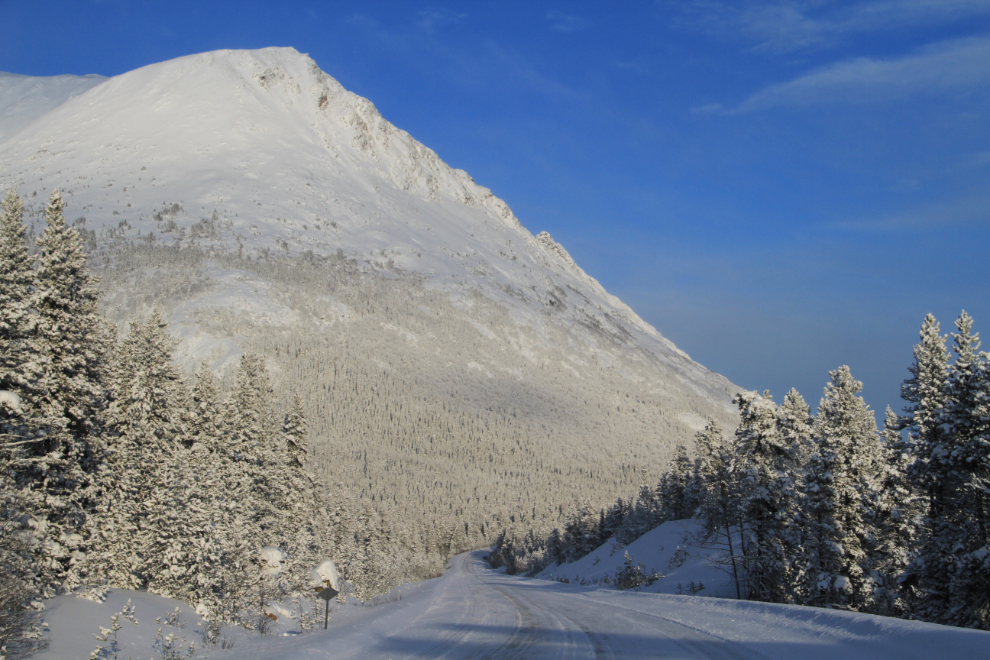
(72,623)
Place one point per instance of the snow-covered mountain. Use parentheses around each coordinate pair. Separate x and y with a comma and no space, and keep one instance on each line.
(266,208)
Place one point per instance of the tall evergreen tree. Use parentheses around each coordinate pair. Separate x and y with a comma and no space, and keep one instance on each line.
(147,424)
(17,279)
(303,517)
(258,451)
(842,472)
(897,510)
(966,424)
(720,501)
(764,462)
(963,464)
(68,343)
(794,423)
(677,495)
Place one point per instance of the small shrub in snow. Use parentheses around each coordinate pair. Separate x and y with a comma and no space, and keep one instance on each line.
(691,589)
(632,577)
(109,635)
(173,619)
(677,559)
(171,648)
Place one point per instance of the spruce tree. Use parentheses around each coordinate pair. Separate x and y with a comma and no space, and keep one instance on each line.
(675,490)
(146,424)
(68,343)
(794,422)
(257,447)
(764,462)
(964,466)
(897,511)
(17,279)
(303,516)
(720,501)
(842,473)
(965,422)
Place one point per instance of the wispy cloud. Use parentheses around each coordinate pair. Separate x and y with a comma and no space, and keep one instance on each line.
(562,22)
(432,20)
(962,212)
(788,25)
(960,64)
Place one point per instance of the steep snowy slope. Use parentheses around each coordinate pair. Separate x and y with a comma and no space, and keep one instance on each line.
(24,99)
(393,292)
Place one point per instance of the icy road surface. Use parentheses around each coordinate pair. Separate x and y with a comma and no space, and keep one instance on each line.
(475,612)
(480,613)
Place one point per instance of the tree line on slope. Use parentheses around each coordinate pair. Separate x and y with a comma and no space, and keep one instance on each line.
(827,510)
(116,472)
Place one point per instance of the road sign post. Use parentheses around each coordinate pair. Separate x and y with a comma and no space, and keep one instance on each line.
(327,593)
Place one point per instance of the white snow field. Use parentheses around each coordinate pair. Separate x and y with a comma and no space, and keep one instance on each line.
(474,612)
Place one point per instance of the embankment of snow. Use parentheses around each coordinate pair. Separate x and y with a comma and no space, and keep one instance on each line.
(668,550)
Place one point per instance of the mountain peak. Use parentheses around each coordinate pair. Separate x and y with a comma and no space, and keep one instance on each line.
(279,156)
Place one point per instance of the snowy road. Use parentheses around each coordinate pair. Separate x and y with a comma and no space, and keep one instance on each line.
(475,612)
(479,613)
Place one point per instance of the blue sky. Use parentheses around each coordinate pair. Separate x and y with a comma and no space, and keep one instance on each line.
(779,187)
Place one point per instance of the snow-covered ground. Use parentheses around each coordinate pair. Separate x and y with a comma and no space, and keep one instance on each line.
(667,550)
(474,612)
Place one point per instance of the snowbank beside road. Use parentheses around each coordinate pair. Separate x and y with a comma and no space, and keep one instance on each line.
(667,550)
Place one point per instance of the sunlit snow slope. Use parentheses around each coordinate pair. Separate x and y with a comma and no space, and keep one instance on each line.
(259,156)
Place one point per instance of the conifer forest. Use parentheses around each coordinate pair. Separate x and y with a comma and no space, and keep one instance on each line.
(826,510)
(128,463)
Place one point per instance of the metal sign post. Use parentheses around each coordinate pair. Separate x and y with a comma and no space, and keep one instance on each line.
(327,593)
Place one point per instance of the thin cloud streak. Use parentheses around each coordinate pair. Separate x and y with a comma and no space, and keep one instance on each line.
(964,212)
(796,25)
(561,22)
(954,65)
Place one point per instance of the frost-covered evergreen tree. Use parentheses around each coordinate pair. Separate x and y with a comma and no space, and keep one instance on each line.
(765,464)
(19,631)
(304,515)
(794,423)
(965,420)
(581,534)
(206,417)
(224,555)
(924,392)
(897,511)
(147,468)
(677,494)
(947,422)
(720,500)
(67,369)
(645,513)
(261,476)
(17,280)
(962,463)
(841,473)
(929,575)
